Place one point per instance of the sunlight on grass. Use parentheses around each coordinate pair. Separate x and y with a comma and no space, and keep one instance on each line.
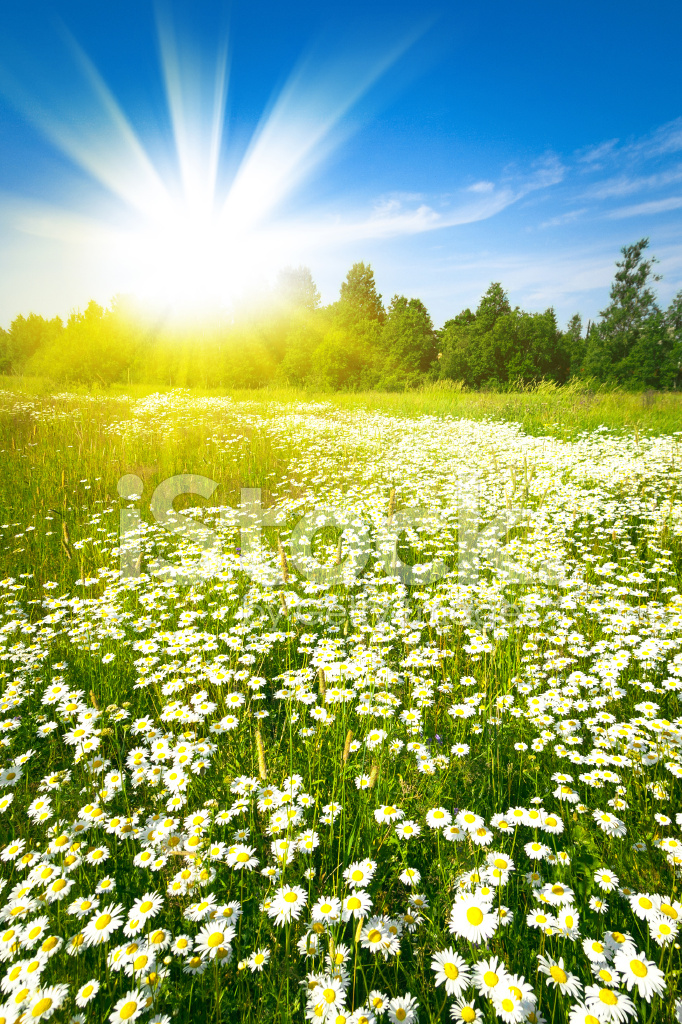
(247,794)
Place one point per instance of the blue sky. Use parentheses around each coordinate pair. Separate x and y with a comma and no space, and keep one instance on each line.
(186,151)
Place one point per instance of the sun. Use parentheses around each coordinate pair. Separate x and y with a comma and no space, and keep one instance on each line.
(185,235)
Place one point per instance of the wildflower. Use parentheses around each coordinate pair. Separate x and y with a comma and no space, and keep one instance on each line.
(83,907)
(438,817)
(605,879)
(359,874)
(147,906)
(464,1011)
(403,1009)
(375,936)
(469,821)
(595,951)
(452,971)
(453,833)
(214,941)
(558,977)
(182,945)
(242,858)
(258,959)
(287,904)
(638,970)
(610,824)
(327,908)
(45,1001)
(87,992)
(407,829)
(128,1009)
(488,975)
(471,919)
(410,876)
(357,905)
(513,1000)
(608,1005)
(101,927)
(662,930)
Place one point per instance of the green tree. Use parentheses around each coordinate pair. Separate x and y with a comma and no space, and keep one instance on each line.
(28,335)
(297,289)
(468,347)
(673,328)
(574,345)
(631,344)
(359,299)
(498,345)
(408,339)
(5,363)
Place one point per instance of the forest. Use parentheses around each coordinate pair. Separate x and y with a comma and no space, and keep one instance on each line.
(360,343)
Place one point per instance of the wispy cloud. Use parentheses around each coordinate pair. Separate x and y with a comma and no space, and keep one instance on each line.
(667,138)
(642,209)
(624,185)
(393,216)
(594,153)
(564,218)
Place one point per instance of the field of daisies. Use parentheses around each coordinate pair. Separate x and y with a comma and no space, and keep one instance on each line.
(313,714)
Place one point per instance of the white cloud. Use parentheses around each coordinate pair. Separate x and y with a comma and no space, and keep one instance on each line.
(642,209)
(482,186)
(667,138)
(564,218)
(624,185)
(594,153)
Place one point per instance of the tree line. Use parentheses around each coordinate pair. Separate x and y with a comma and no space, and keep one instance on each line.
(359,343)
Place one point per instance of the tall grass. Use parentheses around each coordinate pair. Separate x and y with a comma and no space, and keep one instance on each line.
(571,666)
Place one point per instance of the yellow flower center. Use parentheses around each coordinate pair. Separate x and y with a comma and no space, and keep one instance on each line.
(638,968)
(490,979)
(474,916)
(374,936)
(608,997)
(102,921)
(451,971)
(41,1006)
(127,1010)
(559,976)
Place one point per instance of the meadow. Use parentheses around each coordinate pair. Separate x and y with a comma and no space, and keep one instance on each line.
(371,714)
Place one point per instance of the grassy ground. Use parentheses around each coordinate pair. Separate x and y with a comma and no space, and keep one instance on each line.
(545,410)
(552,658)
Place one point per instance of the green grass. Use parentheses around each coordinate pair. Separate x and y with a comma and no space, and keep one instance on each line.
(594,515)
